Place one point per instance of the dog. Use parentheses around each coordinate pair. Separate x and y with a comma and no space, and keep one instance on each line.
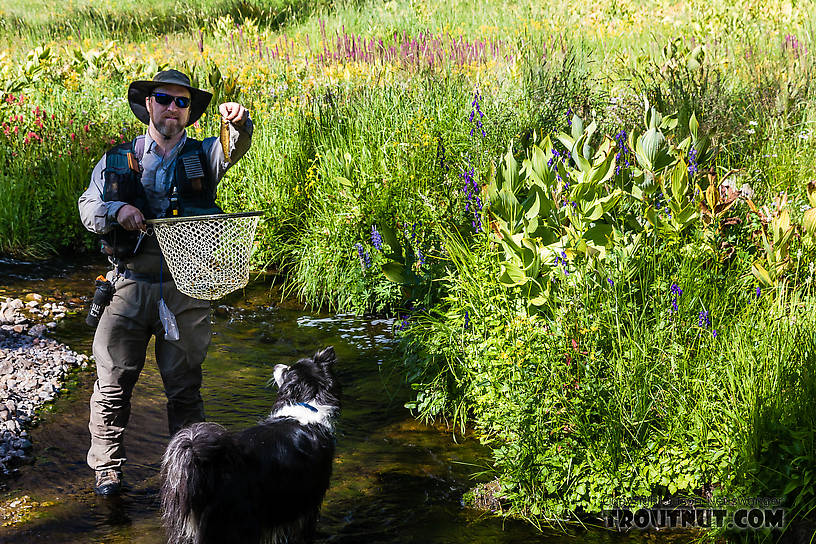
(264,484)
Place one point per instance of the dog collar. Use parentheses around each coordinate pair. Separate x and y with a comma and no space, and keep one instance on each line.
(307,405)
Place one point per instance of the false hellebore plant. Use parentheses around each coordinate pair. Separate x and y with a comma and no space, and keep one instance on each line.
(579,203)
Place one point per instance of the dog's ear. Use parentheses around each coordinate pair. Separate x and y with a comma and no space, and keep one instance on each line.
(325,357)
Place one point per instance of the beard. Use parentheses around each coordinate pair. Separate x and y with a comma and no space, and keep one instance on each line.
(166,124)
(169,127)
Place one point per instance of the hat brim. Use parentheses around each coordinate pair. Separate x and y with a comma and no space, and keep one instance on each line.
(138,91)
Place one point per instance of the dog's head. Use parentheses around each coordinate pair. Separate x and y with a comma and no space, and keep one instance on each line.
(309,380)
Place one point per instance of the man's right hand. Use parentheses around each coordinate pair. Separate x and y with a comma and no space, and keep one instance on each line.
(130,218)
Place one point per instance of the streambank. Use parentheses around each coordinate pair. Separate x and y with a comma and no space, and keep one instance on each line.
(33,370)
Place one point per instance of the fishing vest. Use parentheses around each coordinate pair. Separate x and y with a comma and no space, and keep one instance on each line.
(192,180)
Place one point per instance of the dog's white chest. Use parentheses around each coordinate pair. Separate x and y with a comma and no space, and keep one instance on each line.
(307,414)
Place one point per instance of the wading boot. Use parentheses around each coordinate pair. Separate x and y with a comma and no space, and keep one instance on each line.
(108,482)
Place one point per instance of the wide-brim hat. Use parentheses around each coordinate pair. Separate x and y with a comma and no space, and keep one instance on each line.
(139,90)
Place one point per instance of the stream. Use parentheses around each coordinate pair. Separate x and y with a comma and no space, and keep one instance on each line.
(395,480)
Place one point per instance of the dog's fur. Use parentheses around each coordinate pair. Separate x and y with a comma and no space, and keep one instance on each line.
(264,484)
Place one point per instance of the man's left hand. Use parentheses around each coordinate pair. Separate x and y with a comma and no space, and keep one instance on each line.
(234,112)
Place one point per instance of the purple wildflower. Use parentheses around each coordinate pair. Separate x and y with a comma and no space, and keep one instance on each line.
(473,202)
(474,105)
(624,153)
(420,257)
(692,160)
(376,239)
(677,292)
(703,320)
(365,258)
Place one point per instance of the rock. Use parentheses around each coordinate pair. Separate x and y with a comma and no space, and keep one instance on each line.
(51,324)
(37,330)
(33,297)
(32,370)
(32,304)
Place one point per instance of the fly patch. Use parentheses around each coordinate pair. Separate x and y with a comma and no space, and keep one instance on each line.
(192,167)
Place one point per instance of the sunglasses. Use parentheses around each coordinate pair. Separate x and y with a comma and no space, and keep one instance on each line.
(164,99)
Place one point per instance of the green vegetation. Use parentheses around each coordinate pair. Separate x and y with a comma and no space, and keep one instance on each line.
(595,223)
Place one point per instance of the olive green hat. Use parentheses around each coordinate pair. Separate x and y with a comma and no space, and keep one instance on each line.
(139,90)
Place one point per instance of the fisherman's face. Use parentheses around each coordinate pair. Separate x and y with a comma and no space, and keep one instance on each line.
(168,120)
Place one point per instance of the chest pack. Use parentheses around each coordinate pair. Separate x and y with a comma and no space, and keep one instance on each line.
(192,183)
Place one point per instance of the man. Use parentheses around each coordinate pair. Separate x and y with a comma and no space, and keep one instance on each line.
(160,173)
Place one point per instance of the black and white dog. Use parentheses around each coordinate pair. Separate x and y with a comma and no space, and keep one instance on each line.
(264,484)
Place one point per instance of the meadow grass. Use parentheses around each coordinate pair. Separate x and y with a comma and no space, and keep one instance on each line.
(378,127)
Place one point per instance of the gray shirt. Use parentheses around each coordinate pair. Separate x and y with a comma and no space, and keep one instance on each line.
(157,175)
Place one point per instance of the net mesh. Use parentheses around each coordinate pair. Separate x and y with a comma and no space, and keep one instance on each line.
(208,257)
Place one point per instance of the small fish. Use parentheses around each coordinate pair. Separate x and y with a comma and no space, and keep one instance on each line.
(225,138)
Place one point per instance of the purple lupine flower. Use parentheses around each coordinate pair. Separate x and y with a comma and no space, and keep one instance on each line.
(692,162)
(475,108)
(467,320)
(624,153)
(420,257)
(758,291)
(376,239)
(703,321)
(569,117)
(714,333)
(611,283)
(365,258)
(473,202)
(677,292)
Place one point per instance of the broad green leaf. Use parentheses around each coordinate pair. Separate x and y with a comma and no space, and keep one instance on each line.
(600,235)
(395,272)
(390,237)
(761,274)
(577,156)
(649,145)
(809,222)
(577,128)
(539,162)
(604,170)
(512,275)
(510,170)
(532,205)
(679,181)
(652,217)
(693,126)
(595,212)
(507,238)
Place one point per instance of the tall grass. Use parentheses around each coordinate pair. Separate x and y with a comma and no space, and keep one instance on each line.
(132,20)
(612,394)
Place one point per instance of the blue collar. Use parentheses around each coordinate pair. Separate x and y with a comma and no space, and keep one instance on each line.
(307,405)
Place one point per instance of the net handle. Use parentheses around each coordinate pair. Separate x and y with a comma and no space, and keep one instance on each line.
(182,219)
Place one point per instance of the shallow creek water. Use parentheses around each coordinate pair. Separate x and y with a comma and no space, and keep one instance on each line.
(395,480)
